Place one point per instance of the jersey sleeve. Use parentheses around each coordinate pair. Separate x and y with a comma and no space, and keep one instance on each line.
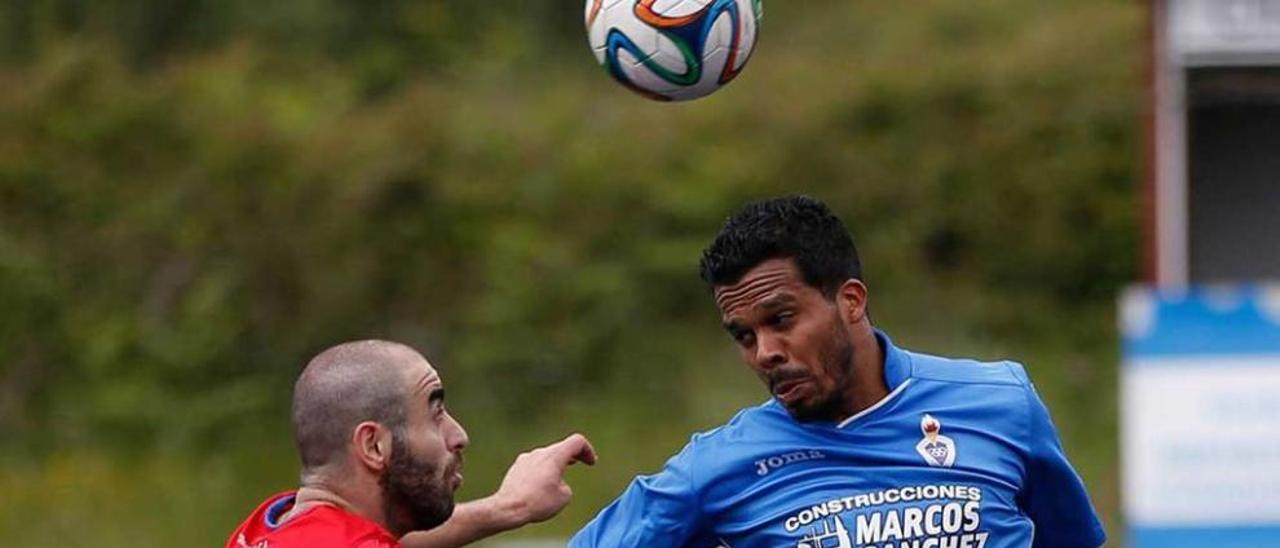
(1054,496)
(662,509)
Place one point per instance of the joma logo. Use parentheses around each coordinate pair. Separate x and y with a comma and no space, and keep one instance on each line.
(764,466)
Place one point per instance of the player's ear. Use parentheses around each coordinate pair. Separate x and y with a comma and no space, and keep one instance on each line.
(371,443)
(851,298)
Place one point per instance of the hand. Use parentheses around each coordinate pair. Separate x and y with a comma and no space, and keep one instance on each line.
(534,489)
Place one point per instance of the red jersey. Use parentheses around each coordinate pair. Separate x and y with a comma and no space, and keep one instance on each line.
(320,526)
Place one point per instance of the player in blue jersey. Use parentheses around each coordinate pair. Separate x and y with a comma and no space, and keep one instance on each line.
(863,444)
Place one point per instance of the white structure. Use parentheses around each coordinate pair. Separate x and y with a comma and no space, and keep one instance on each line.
(1214,157)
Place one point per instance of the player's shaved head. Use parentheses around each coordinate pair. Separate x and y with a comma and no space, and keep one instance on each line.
(343,386)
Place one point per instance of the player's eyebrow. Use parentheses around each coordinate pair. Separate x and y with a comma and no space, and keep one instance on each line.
(777,301)
(770,304)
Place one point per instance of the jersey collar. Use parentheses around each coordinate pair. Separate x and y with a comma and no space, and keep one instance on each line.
(897,365)
(897,375)
(277,509)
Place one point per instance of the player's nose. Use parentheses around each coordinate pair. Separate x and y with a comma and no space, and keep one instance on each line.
(770,352)
(456,436)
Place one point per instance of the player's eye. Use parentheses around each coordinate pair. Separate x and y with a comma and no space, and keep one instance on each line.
(744,337)
(781,319)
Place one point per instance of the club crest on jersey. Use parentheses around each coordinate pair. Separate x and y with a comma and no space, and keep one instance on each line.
(937,449)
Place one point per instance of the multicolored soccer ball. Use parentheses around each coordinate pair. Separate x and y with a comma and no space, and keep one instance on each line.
(673,50)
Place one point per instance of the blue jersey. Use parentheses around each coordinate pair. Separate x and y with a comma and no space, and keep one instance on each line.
(960,454)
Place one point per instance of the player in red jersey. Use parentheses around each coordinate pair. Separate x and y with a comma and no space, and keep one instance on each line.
(382,457)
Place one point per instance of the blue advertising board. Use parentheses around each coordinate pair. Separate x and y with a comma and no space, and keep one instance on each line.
(1200,400)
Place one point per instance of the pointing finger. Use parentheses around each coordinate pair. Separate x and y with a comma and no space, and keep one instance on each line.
(575,448)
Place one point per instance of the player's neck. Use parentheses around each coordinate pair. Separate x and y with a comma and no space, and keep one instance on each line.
(315,492)
(868,386)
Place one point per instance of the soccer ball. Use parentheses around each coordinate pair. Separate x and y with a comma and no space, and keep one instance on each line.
(673,50)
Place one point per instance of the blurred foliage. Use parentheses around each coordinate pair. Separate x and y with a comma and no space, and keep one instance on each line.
(196,196)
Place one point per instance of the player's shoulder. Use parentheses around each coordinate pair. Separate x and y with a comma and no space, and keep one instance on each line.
(967,371)
(720,459)
(749,422)
(751,430)
(327,527)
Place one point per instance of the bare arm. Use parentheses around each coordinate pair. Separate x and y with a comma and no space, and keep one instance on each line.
(532,491)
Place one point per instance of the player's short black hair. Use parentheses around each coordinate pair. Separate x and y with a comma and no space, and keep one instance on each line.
(343,386)
(791,227)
